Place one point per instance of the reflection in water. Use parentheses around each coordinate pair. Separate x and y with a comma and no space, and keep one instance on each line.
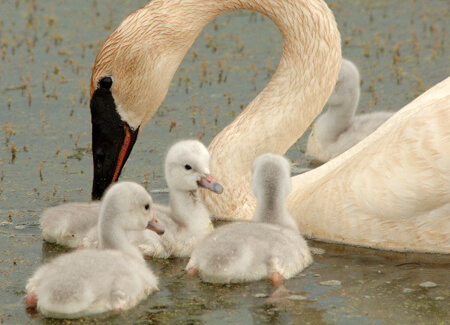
(287,312)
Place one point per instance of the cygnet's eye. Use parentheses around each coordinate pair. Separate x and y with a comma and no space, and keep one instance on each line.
(147,206)
(105,83)
(187,167)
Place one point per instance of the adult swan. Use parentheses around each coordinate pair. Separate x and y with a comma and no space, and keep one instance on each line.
(391,191)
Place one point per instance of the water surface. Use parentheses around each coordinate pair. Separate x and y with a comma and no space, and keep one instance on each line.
(47,49)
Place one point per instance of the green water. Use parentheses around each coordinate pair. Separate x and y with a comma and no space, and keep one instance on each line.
(47,49)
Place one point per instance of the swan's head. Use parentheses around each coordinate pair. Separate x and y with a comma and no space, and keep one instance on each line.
(187,167)
(130,78)
(129,205)
(346,92)
(271,178)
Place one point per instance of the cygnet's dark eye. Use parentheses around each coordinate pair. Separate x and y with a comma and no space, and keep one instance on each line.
(105,83)
(187,167)
(147,206)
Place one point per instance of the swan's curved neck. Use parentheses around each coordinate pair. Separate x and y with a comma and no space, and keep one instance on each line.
(272,209)
(111,236)
(333,122)
(187,209)
(280,114)
(339,115)
(158,37)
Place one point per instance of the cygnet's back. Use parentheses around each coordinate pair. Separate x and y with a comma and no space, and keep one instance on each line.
(68,223)
(246,251)
(338,129)
(92,281)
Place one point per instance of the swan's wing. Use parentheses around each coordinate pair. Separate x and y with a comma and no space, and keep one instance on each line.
(390,190)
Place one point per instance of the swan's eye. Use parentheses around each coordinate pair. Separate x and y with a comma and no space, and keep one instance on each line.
(187,167)
(147,206)
(105,83)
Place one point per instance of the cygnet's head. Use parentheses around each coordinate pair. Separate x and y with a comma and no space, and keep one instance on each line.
(271,176)
(347,88)
(187,167)
(129,205)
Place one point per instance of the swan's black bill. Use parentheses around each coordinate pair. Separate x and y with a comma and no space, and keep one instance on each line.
(112,141)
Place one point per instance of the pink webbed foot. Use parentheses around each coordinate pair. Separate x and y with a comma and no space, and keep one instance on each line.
(31,300)
(276,279)
(192,271)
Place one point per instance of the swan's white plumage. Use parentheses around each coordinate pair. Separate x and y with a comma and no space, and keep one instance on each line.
(186,220)
(273,121)
(91,281)
(247,251)
(389,191)
(338,129)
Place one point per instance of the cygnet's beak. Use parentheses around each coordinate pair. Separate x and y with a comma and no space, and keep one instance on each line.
(210,183)
(155,226)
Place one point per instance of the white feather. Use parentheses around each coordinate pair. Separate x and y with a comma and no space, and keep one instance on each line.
(92,281)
